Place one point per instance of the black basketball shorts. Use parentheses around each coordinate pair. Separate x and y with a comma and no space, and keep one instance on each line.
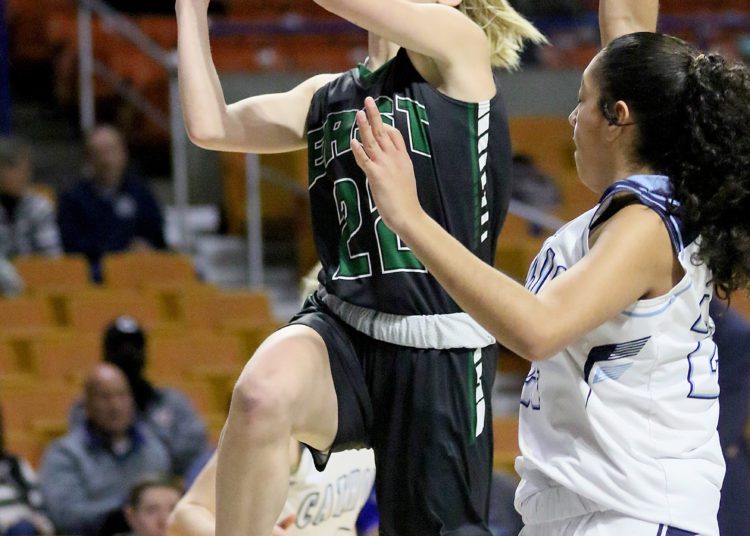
(426,414)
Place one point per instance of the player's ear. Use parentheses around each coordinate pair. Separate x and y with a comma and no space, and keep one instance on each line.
(452,3)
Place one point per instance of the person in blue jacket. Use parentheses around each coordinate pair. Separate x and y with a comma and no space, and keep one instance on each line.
(110,209)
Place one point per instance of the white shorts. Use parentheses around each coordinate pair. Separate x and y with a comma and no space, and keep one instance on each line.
(608,523)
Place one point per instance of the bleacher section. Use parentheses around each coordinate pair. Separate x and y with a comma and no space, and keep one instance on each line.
(199,337)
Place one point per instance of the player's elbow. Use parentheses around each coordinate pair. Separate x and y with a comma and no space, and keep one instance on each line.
(206,137)
(536,345)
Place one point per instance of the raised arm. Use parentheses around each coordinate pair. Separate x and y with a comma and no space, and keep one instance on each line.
(434,29)
(262,124)
(621,17)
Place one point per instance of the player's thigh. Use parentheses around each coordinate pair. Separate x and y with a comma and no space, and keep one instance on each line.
(290,376)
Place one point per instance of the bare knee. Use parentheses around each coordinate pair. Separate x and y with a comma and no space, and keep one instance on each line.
(259,405)
(286,388)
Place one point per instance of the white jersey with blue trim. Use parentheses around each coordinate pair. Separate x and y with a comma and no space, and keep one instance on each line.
(625,418)
(327,503)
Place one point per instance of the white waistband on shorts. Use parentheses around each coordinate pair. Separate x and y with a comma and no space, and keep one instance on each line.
(439,332)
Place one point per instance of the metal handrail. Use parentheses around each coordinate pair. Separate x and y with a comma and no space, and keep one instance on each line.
(130,94)
(131,32)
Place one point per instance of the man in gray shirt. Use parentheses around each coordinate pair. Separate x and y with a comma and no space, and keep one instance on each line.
(167,412)
(86,475)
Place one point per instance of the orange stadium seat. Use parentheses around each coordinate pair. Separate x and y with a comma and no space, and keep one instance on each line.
(174,356)
(92,311)
(55,279)
(201,395)
(21,313)
(9,364)
(67,356)
(244,314)
(142,269)
(163,276)
(25,444)
(70,273)
(215,310)
(24,402)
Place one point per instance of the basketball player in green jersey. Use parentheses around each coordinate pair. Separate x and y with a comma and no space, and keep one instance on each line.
(380,356)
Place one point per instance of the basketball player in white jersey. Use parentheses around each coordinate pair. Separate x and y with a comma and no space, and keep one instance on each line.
(618,414)
(318,503)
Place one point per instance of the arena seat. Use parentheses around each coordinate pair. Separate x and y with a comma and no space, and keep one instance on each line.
(67,356)
(25,443)
(246,315)
(8,362)
(216,310)
(164,277)
(24,313)
(70,272)
(92,311)
(176,356)
(25,401)
(200,394)
(55,280)
(142,269)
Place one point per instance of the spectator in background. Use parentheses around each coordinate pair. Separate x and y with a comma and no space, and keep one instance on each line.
(87,474)
(110,209)
(149,505)
(21,504)
(167,412)
(732,338)
(27,219)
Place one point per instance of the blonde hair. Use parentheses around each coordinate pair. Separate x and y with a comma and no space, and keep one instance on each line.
(505,28)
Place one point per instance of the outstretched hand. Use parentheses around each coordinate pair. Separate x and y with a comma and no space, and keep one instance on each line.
(383,157)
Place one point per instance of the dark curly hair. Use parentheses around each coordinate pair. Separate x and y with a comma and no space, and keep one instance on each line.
(692,111)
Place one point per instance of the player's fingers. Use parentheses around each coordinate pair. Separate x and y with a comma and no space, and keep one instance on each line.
(396,138)
(376,122)
(360,155)
(365,133)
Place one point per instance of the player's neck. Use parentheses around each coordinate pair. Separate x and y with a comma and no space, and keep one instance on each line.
(379,51)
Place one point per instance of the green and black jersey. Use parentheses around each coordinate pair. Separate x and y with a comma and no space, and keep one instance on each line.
(462,156)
